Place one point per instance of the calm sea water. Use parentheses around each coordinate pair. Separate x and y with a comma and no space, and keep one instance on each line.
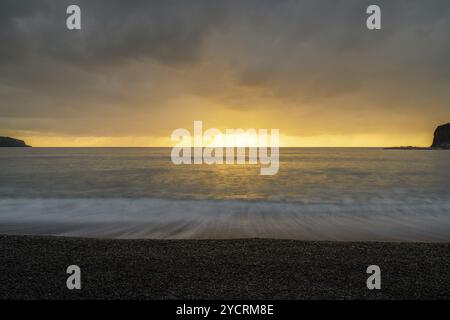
(318,194)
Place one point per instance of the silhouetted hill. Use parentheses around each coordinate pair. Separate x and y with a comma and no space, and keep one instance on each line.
(441,140)
(442,137)
(11,142)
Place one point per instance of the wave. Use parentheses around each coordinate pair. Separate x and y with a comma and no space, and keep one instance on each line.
(381,220)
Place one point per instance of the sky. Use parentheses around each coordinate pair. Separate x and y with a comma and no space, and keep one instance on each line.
(138,70)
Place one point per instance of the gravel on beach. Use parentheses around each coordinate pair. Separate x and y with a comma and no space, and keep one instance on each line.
(34,267)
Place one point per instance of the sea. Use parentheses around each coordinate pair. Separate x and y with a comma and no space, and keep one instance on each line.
(326,194)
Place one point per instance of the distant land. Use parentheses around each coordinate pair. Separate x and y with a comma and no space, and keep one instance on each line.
(410,148)
(442,137)
(441,140)
(11,142)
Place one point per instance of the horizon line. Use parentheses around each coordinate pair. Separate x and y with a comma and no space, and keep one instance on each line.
(289,147)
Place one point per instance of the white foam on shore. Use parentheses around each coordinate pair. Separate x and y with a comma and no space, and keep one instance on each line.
(382,220)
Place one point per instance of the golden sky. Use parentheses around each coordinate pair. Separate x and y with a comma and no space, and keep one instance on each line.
(137,71)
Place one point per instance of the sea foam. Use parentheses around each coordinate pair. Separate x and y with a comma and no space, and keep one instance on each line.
(384,220)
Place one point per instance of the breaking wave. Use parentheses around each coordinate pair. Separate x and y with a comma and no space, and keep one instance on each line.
(380,220)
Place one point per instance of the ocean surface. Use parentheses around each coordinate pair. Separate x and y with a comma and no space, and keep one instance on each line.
(318,194)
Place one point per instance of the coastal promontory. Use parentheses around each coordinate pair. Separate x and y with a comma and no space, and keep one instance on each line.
(441,140)
(11,142)
(442,137)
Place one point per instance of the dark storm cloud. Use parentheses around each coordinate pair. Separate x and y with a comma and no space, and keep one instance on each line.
(49,71)
(134,58)
(113,31)
(325,43)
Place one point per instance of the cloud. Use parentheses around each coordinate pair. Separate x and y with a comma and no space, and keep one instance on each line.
(113,31)
(145,67)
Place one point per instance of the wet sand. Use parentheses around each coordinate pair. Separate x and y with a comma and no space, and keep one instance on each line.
(34,267)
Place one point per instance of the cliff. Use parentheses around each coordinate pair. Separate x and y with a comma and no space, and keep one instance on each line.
(442,137)
(11,142)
